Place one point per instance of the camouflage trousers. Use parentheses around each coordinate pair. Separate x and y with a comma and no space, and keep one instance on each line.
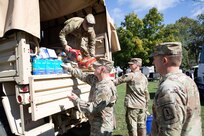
(136,121)
(97,129)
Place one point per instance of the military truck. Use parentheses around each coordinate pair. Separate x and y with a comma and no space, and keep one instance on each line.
(38,104)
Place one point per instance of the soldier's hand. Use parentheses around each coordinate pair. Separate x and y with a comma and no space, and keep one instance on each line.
(147,105)
(73,96)
(67,48)
(147,113)
(66,66)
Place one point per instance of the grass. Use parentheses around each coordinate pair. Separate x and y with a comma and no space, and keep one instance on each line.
(121,129)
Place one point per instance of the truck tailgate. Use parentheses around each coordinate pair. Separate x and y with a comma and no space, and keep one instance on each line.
(49,94)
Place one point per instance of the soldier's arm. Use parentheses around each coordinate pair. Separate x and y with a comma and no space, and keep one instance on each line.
(154,128)
(147,97)
(92,38)
(170,111)
(86,77)
(62,35)
(92,43)
(123,79)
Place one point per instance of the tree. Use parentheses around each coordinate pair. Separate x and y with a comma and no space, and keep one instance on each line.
(190,33)
(137,37)
(152,32)
(129,36)
(152,24)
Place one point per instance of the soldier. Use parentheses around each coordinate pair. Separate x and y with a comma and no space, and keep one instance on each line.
(136,99)
(82,30)
(99,108)
(176,106)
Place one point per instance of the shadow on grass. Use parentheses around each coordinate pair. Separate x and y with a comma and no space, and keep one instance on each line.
(83,130)
(151,95)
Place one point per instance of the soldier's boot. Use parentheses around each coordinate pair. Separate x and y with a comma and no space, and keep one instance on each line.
(141,131)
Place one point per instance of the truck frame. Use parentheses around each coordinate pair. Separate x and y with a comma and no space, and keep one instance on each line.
(38,104)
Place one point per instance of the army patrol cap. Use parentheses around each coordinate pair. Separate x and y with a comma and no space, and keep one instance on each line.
(135,61)
(90,22)
(167,48)
(90,19)
(103,62)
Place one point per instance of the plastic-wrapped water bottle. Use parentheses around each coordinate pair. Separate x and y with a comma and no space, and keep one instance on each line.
(50,66)
(58,68)
(35,66)
(42,66)
(38,66)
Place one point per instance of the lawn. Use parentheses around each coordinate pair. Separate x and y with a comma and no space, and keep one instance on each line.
(121,129)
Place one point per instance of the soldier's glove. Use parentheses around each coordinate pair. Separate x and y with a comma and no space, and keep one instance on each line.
(66,66)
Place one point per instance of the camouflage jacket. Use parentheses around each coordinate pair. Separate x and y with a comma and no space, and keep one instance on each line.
(102,98)
(74,26)
(137,94)
(176,107)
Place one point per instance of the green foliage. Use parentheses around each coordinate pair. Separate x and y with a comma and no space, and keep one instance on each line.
(139,36)
(152,24)
(190,33)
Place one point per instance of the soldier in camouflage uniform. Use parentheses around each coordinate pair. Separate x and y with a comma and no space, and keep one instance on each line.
(82,31)
(136,99)
(176,106)
(102,98)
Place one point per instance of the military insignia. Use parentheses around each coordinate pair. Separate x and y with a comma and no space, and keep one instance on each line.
(168,113)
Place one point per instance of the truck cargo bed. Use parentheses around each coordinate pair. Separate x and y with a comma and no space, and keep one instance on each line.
(49,94)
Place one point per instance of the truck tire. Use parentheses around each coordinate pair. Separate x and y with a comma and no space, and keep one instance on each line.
(2,130)
(4,126)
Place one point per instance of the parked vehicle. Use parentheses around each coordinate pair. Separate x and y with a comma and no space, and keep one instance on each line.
(150,73)
(37,104)
(200,73)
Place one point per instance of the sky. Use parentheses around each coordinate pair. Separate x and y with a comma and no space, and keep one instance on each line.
(172,10)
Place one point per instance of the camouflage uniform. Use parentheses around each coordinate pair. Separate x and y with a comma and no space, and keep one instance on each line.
(136,100)
(99,109)
(84,40)
(176,106)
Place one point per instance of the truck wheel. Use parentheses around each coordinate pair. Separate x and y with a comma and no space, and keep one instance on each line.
(2,130)
(4,126)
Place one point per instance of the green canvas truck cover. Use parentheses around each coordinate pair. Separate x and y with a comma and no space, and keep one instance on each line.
(27,15)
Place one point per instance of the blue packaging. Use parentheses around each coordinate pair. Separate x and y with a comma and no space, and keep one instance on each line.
(50,66)
(149,124)
(47,53)
(38,66)
(43,53)
(58,68)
